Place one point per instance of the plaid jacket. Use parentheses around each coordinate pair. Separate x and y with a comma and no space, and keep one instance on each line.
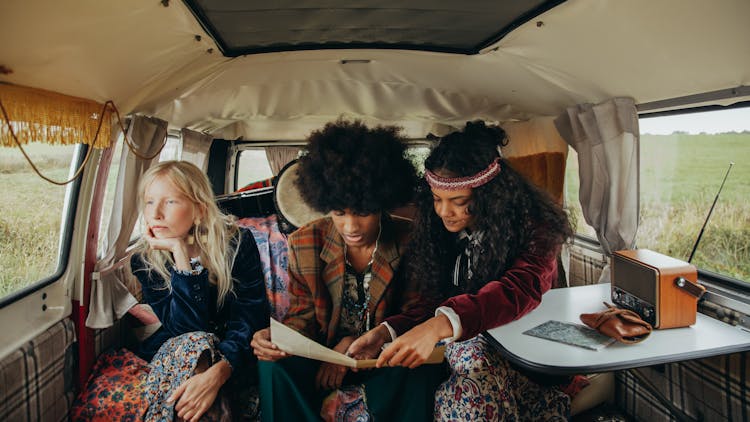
(316,280)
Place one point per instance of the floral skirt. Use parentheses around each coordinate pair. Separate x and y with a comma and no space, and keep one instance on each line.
(124,387)
(172,365)
(485,387)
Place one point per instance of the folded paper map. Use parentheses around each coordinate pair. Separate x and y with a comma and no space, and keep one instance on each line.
(571,333)
(297,344)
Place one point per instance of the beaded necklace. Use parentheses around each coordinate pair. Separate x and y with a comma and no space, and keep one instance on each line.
(361,308)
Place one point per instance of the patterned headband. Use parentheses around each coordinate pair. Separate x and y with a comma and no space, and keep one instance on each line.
(458,183)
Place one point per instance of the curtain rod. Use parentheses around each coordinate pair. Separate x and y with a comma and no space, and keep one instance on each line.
(722,94)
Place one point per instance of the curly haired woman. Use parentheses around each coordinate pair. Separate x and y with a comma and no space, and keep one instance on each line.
(344,285)
(488,241)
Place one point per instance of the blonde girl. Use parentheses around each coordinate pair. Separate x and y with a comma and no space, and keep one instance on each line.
(201,275)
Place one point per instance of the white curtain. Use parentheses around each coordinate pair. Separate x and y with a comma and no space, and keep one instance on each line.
(606,138)
(195,147)
(278,157)
(110,299)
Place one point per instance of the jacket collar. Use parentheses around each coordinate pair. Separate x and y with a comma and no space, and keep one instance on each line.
(386,258)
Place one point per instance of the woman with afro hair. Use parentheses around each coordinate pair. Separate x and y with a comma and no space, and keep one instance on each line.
(488,242)
(344,284)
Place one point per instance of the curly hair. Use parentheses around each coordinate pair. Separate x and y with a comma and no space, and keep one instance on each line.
(513,214)
(349,166)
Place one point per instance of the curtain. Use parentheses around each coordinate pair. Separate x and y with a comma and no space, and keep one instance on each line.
(278,157)
(606,138)
(37,115)
(195,147)
(110,298)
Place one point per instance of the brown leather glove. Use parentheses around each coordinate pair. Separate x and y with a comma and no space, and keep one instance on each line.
(621,324)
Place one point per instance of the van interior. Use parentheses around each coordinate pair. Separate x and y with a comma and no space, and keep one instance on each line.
(628,112)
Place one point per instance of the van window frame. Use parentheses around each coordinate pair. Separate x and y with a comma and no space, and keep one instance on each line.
(236,147)
(723,289)
(70,206)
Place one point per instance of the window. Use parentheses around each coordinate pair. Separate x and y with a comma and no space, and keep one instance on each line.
(172,149)
(417,153)
(572,203)
(30,213)
(683,161)
(109,194)
(252,166)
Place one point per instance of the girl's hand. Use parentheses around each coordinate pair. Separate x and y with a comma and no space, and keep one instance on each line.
(330,376)
(263,348)
(416,345)
(177,246)
(369,345)
(196,395)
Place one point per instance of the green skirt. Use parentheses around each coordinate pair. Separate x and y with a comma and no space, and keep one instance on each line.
(288,393)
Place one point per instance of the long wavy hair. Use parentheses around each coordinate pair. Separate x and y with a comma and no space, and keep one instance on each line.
(513,215)
(216,235)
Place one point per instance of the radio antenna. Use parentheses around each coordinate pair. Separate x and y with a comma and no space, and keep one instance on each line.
(697,241)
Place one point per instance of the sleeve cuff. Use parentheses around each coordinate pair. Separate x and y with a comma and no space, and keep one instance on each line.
(390,330)
(454,320)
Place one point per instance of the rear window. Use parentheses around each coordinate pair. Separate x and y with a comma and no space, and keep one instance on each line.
(252,166)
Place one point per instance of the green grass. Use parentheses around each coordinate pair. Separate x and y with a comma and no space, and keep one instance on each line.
(30,213)
(680,176)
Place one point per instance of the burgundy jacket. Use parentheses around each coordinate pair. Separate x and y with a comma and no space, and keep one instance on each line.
(514,294)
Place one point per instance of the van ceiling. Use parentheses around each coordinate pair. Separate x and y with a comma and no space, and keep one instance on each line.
(155,58)
(465,27)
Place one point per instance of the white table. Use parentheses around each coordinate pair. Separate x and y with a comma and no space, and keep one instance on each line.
(707,337)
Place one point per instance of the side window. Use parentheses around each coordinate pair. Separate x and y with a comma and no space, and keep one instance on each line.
(109,194)
(683,161)
(252,166)
(572,203)
(30,213)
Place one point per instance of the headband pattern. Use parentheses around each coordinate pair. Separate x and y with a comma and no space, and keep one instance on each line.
(459,183)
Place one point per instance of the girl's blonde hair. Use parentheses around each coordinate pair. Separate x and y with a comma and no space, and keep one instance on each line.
(213,235)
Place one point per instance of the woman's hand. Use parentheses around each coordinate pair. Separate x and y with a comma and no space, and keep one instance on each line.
(177,246)
(263,348)
(416,345)
(196,395)
(369,345)
(330,376)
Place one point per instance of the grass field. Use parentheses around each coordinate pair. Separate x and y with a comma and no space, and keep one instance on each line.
(680,175)
(30,213)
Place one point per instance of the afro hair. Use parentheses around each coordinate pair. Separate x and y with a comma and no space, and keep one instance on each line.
(350,166)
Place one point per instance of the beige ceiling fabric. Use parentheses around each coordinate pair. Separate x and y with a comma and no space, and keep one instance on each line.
(110,298)
(606,138)
(166,66)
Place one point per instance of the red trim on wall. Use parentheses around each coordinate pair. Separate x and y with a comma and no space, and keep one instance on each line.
(86,350)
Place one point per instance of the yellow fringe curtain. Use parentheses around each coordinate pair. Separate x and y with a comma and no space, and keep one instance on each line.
(43,116)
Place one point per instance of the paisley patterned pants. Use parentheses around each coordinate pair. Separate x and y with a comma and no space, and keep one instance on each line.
(485,387)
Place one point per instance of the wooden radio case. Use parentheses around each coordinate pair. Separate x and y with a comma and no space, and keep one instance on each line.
(663,290)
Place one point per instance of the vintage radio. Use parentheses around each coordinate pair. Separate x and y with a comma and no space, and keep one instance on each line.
(663,290)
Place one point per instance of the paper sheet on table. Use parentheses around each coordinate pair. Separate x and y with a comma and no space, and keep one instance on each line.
(297,344)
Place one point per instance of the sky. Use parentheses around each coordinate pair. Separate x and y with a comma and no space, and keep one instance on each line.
(732,120)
